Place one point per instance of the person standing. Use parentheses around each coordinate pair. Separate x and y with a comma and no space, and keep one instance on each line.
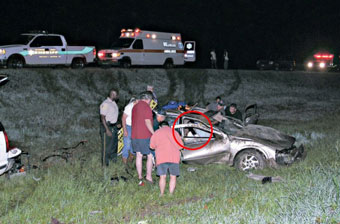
(142,130)
(108,128)
(150,88)
(226,59)
(213,59)
(127,122)
(167,155)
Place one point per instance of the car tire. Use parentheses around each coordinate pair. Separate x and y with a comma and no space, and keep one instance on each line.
(78,63)
(15,62)
(125,63)
(168,64)
(249,159)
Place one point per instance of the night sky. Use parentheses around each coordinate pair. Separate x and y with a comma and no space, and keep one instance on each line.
(248,29)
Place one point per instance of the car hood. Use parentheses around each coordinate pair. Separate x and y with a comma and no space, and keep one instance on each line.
(13,45)
(266,135)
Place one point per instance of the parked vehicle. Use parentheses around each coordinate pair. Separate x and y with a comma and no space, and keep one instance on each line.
(284,63)
(321,61)
(243,146)
(42,49)
(142,47)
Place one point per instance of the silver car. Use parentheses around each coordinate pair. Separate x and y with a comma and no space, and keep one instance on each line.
(246,147)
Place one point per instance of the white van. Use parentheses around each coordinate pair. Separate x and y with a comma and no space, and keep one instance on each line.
(142,47)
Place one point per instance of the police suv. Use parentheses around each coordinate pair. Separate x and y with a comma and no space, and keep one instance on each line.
(142,47)
(40,48)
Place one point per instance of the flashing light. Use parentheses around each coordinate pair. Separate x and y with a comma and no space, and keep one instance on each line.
(127,34)
(148,35)
(137,30)
(310,64)
(323,56)
(173,37)
(178,38)
(153,36)
(322,65)
(123,35)
(130,30)
(94,52)
(101,54)
(132,34)
(123,31)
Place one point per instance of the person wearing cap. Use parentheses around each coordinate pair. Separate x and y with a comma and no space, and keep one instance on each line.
(142,130)
(232,111)
(167,155)
(108,128)
(128,153)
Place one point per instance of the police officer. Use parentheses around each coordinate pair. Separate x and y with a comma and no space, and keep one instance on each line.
(108,127)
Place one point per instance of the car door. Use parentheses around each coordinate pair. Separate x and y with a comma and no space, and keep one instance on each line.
(251,115)
(137,57)
(194,134)
(3,154)
(46,50)
(189,51)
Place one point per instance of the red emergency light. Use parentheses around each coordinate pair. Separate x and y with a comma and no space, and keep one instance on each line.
(178,38)
(323,56)
(148,35)
(137,30)
(101,54)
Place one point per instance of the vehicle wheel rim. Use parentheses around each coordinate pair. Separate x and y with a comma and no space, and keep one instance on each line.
(250,162)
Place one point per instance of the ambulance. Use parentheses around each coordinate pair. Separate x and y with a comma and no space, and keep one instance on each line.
(142,47)
(321,61)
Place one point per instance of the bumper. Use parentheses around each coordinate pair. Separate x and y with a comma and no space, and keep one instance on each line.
(3,62)
(287,157)
(108,62)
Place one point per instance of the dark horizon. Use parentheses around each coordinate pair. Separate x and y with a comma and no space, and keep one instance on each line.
(249,30)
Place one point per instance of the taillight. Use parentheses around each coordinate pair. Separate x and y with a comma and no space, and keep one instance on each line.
(94,52)
(7,142)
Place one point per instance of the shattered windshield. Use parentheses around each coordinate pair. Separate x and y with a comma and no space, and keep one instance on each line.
(23,39)
(122,43)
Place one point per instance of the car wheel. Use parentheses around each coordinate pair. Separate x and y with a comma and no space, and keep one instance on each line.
(15,62)
(78,63)
(249,159)
(125,63)
(168,64)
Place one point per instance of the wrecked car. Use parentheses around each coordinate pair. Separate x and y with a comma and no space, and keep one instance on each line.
(243,146)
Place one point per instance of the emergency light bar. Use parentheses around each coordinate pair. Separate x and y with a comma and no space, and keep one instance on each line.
(323,56)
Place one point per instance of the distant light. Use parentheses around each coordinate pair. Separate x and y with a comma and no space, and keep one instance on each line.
(115,55)
(123,35)
(178,38)
(322,65)
(153,36)
(132,34)
(137,30)
(310,64)
(127,34)
(123,30)
(173,37)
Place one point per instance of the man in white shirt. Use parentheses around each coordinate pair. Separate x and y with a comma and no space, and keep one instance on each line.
(108,128)
(126,122)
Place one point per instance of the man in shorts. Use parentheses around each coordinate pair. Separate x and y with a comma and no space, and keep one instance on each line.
(167,155)
(142,130)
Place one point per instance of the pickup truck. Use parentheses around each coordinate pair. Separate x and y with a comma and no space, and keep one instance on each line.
(43,49)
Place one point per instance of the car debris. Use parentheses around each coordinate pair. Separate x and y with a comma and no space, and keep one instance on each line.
(265,179)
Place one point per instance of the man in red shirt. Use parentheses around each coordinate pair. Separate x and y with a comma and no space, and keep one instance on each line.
(142,130)
(167,155)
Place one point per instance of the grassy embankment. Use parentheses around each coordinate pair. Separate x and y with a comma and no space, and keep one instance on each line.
(55,109)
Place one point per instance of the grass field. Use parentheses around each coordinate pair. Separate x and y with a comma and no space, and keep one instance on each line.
(81,191)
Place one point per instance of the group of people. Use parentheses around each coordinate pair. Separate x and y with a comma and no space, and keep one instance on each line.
(213,59)
(146,133)
(218,108)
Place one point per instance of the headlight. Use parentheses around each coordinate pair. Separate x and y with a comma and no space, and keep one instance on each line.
(322,65)
(310,64)
(115,55)
(271,62)
(2,51)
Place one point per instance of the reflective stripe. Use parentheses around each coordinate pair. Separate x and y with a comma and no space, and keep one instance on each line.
(86,50)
